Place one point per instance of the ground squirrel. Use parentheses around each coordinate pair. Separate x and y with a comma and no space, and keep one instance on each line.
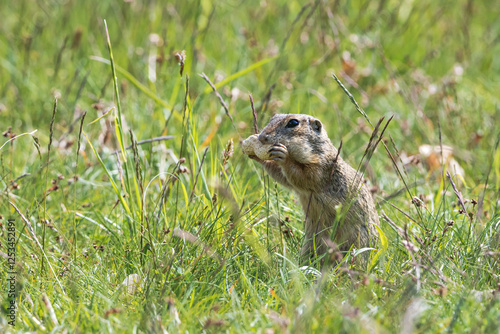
(295,151)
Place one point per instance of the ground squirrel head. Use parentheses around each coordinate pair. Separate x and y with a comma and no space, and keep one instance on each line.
(304,137)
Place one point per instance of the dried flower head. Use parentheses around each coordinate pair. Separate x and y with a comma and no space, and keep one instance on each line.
(228,152)
(181,59)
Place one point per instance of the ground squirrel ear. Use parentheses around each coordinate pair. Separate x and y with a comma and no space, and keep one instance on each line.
(316,125)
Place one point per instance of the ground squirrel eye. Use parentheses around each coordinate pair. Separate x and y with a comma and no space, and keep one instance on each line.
(292,123)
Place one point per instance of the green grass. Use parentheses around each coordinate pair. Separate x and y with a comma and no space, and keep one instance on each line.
(214,240)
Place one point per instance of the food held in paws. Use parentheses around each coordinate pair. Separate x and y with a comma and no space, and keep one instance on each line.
(252,146)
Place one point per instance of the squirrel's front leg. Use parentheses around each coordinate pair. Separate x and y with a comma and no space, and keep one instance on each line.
(278,153)
(274,170)
(271,167)
(294,171)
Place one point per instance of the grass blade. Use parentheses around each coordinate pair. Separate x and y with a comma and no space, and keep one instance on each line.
(240,73)
(115,188)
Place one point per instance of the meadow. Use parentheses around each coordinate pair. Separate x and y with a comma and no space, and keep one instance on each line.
(127,205)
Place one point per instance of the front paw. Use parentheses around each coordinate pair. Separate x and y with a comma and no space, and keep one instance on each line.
(278,152)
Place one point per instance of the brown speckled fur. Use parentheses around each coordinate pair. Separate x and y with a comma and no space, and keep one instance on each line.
(303,159)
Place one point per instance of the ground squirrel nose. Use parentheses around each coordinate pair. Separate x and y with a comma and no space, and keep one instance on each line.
(264,139)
